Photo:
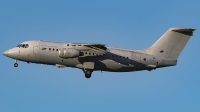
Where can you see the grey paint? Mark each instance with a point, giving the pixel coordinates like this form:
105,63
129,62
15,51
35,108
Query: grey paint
97,57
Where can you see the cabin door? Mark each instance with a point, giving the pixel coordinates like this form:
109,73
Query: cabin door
36,47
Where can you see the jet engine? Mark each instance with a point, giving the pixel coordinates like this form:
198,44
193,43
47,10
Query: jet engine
69,53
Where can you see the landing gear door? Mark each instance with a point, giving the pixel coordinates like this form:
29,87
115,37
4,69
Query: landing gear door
36,47
88,65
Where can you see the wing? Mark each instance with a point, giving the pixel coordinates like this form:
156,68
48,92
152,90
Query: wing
97,49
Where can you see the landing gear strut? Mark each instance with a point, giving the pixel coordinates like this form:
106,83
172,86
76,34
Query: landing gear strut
16,64
88,73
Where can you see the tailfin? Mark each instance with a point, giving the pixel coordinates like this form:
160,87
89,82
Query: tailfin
171,43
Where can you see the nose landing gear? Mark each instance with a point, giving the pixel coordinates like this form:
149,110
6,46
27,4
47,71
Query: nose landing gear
15,64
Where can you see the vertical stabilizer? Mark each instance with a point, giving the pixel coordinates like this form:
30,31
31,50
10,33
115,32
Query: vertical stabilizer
171,43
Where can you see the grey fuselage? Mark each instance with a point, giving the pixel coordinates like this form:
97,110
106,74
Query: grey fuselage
114,60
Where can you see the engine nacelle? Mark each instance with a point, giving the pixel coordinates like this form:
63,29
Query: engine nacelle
69,53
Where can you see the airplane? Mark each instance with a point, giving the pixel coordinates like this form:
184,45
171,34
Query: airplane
97,57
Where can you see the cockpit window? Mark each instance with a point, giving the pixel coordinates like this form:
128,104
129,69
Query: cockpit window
26,46
23,46
19,45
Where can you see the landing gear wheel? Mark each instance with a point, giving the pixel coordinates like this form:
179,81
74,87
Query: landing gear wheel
87,76
88,73
15,65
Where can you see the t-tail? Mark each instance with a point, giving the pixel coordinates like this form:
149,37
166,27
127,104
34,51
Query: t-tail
171,43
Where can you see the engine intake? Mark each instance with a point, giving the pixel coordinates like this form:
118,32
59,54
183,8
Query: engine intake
69,53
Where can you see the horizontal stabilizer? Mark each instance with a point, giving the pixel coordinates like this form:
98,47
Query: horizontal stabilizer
186,31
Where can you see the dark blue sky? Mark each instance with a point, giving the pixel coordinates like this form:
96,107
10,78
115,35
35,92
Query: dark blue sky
129,24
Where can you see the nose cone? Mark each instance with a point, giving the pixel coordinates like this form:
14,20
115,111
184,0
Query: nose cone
6,53
12,53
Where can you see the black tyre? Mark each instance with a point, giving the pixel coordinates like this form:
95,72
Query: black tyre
88,76
15,65
88,73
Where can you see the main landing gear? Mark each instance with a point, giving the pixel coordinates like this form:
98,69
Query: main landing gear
88,73
15,64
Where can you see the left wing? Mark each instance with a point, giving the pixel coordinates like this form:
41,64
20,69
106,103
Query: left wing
98,49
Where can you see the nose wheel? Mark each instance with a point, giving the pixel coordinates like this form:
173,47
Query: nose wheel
16,64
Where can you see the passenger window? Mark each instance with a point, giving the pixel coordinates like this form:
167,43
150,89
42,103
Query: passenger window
53,49
56,49
49,48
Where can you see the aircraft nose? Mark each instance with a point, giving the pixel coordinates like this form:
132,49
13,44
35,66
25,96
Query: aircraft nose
6,53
